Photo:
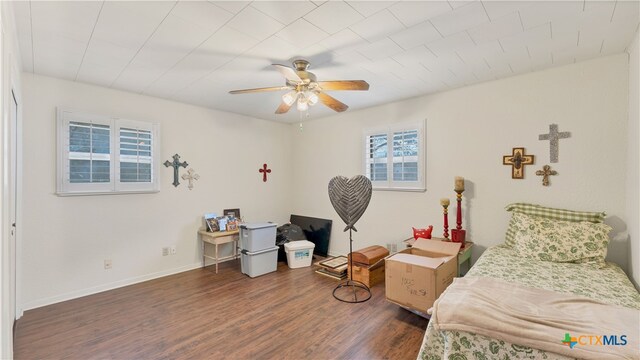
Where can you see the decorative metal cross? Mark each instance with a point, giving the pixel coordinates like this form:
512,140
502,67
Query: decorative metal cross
176,165
553,137
191,176
545,172
517,160
264,172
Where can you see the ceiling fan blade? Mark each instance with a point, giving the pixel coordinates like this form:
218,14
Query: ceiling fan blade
265,89
288,73
344,85
283,108
332,102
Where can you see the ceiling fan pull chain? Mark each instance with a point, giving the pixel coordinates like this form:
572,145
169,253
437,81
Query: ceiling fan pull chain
300,115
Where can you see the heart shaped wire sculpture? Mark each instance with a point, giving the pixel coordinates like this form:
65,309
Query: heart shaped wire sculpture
350,198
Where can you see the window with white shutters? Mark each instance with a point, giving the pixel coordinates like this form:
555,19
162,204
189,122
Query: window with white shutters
101,155
394,157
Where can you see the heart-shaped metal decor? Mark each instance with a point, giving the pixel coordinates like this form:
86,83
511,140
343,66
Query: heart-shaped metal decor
350,198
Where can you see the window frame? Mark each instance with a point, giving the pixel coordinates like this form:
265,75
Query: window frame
64,187
389,131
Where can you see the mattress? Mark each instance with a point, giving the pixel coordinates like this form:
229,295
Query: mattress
609,285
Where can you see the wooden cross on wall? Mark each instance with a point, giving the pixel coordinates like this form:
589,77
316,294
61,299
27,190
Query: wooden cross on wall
553,136
517,160
176,165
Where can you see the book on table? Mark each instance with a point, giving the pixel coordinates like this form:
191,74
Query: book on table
212,222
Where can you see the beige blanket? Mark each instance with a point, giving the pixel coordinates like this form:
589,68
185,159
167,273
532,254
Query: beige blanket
538,318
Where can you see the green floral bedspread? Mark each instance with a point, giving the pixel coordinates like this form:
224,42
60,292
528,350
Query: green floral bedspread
609,285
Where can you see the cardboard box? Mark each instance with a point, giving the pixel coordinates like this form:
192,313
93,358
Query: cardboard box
416,276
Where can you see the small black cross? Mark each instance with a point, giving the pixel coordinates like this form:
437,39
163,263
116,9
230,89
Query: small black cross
176,165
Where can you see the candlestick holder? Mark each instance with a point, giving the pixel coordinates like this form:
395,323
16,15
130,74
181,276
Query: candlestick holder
459,210
445,213
457,234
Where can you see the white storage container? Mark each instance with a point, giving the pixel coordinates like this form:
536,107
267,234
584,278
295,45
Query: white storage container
299,253
259,262
257,236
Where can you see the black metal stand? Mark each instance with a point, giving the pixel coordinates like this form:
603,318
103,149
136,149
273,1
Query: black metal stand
351,291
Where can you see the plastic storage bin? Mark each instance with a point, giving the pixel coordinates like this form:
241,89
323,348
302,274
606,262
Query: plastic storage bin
259,262
257,236
299,253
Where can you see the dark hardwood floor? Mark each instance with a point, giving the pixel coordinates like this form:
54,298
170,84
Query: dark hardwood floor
289,314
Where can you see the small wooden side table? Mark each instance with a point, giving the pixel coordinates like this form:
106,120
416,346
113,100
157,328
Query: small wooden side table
219,238
464,255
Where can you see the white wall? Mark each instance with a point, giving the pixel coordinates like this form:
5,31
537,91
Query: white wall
468,130
66,239
633,162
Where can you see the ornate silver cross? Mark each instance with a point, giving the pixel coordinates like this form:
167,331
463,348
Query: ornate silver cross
176,165
553,137
191,176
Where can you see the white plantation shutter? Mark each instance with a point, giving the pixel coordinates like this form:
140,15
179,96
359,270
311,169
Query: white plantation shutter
405,155
85,160
135,155
394,157
136,165
89,153
99,154
376,159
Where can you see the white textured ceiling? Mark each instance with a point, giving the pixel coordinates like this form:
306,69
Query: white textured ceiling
196,51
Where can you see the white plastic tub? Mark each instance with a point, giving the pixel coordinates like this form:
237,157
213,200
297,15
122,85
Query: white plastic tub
259,262
257,236
299,253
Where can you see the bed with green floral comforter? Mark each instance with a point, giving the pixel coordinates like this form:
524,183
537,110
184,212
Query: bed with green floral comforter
608,284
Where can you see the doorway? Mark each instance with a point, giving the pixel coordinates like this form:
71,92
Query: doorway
13,201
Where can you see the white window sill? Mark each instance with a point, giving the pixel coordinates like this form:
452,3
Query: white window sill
89,193
399,189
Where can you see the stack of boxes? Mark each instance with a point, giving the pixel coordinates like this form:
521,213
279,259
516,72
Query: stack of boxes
258,250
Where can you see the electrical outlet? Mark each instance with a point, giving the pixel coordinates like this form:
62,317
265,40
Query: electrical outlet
165,251
107,264
173,250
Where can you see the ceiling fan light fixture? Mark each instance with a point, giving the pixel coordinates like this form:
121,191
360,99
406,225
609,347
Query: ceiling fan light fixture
302,104
312,98
290,97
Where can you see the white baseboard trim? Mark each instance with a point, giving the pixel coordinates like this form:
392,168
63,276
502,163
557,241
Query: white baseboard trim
109,286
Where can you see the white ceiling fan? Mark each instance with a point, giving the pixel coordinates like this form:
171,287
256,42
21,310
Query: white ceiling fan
305,90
